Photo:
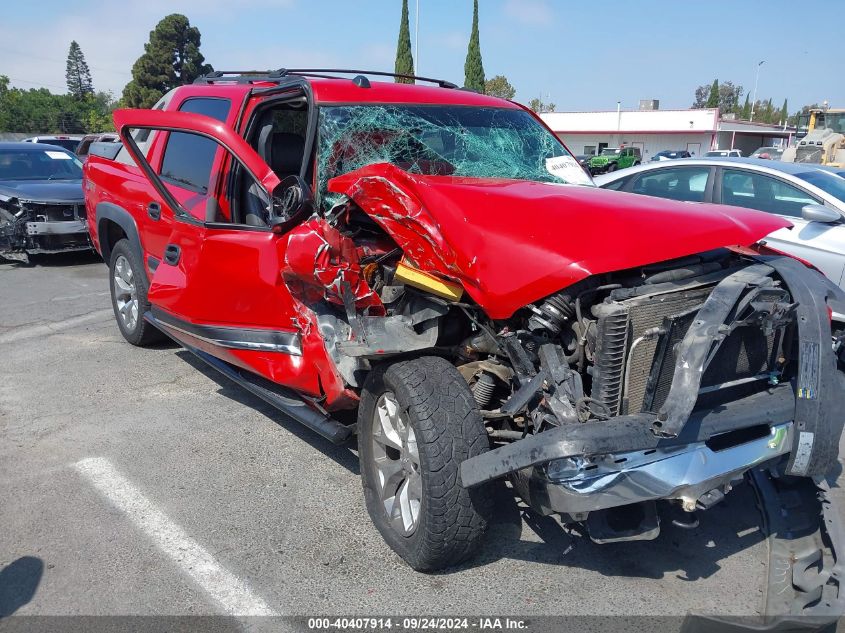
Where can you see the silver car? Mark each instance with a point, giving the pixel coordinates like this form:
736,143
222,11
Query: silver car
813,199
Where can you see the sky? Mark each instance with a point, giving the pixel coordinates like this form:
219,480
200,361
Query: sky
579,55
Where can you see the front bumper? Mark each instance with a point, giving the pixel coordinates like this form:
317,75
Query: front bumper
70,227
674,454
683,473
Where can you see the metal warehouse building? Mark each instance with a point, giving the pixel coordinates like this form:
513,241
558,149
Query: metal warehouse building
696,131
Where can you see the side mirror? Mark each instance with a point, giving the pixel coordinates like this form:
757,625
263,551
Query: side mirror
819,213
292,201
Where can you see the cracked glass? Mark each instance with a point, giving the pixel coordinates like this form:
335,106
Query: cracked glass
439,140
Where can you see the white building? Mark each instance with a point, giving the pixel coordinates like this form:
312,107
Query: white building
696,131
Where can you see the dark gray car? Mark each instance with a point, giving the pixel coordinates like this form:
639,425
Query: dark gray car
42,208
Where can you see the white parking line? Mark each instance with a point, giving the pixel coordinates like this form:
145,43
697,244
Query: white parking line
231,592
47,329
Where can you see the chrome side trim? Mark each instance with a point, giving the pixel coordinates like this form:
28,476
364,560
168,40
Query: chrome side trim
231,337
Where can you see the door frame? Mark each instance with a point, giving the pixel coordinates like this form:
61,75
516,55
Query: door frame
127,120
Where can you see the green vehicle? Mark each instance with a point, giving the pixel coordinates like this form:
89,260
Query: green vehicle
612,159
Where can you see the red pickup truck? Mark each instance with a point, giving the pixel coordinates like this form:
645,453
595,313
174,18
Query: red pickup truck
438,262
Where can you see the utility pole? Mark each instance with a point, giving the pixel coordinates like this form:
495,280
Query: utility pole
754,98
417,41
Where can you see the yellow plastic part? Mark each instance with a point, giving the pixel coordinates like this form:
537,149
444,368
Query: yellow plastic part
419,279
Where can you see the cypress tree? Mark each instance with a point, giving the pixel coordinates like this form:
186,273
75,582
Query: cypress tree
474,68
784,113
171,58
404,59
713,99
77,74
745,113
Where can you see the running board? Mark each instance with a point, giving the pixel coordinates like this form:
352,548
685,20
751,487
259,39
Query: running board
279,397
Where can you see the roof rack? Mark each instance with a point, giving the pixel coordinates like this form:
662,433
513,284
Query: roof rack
279,75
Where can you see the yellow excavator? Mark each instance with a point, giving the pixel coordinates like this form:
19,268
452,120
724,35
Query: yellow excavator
820,138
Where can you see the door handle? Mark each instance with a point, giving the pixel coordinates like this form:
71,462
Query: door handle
172,253
154,211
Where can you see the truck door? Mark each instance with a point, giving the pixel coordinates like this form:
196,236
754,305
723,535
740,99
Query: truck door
218,287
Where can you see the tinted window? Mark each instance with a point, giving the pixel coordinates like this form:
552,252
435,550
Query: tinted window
215,108
187,161
827,182
676,183
46,164
188,157
764,193
616,185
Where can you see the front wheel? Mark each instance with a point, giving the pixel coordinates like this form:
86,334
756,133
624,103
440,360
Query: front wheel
611,167
129,296
416,423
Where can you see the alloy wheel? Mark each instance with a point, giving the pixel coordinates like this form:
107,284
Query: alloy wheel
125,293
397,462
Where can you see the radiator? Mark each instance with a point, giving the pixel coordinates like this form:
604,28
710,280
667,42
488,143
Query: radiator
746,352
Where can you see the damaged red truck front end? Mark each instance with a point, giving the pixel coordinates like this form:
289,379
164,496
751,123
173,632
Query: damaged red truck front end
438,262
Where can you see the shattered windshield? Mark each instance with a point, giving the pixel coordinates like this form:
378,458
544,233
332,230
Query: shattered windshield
442,141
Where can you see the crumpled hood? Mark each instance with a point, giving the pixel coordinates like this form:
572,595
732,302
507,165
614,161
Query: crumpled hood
42,190
512,242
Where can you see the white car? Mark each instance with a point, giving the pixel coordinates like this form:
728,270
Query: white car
813,199
65,141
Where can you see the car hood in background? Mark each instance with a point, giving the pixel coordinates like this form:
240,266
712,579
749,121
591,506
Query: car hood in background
512,242
42,190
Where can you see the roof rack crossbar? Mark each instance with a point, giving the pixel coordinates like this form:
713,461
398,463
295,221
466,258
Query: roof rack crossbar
251,76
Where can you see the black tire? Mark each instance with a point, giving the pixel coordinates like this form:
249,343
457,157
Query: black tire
143,333
611,167
636,163
435,402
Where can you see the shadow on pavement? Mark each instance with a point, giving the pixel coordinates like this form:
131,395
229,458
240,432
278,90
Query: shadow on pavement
345,454
18,582
56,260
728,528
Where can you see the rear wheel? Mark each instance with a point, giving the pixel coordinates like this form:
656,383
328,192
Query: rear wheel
129,296
417,422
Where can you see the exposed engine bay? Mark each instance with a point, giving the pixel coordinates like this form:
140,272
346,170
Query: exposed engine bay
613,367
36,227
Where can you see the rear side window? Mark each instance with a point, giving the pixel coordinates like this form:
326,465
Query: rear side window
764,193
616,185
676,183
188,158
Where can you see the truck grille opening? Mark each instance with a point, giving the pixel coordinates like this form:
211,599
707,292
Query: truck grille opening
747,352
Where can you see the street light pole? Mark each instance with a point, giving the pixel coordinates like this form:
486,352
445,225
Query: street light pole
417,40
754,98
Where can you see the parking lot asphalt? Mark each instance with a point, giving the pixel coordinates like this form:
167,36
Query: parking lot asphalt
196,482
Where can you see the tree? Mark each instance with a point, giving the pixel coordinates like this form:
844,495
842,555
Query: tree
729,97
474,67
38,111
171,58
784,113
499,86
404,59
701,94
77,74
745,113
539,107
713,96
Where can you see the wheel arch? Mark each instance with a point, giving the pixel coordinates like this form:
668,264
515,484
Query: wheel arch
113,224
